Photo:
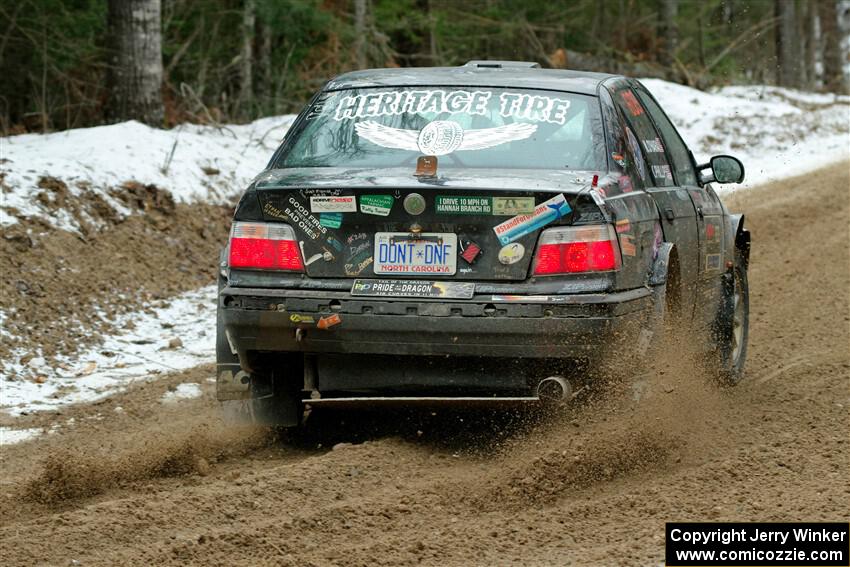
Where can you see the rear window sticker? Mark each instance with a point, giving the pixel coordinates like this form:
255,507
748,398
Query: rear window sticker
631,102
662,172
619,159
426,166
442,137
333,204
299,318
534,107
520,225
388,103
653,146
636,153
623,225
523,106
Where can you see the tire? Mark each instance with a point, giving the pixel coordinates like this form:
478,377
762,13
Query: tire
266,402
276,410
731,333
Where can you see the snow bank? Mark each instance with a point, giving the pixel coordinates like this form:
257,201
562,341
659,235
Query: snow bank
775,132
194,163
148,347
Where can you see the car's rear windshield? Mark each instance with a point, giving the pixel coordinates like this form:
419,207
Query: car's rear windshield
463,127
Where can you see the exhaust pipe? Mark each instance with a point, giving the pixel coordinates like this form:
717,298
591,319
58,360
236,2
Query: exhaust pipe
554,390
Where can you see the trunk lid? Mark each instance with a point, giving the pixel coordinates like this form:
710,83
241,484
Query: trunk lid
387,224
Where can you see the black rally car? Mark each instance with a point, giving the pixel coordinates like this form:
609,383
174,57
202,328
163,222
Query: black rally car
476,233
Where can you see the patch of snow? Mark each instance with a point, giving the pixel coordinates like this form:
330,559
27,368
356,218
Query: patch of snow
10,436
137,354
776,133
185,391
781,94
104,157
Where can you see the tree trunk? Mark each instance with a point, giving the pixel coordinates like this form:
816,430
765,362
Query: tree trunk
432,36
810,38
669,32
832,72
787,51
700,41
264,60
623,27
360,33
246,64
134,77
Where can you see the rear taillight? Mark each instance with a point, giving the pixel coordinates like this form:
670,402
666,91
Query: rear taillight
263,246
574,249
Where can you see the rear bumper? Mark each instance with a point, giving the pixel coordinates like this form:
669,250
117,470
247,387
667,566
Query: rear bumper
552,326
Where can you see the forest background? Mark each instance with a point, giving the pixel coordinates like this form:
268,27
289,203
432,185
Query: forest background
74,63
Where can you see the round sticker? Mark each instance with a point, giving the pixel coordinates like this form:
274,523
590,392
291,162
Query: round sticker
440,137
414,204
511,253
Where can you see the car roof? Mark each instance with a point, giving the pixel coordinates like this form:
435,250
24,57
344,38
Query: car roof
516,74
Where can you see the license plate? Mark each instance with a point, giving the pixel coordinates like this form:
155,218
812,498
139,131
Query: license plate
422,254
413,288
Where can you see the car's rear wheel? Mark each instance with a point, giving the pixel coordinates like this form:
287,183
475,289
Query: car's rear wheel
731,333
266,399
267,406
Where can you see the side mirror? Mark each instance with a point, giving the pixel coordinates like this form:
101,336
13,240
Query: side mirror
724,169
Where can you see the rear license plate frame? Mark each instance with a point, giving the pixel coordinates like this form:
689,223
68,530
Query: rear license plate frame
421,289
382,265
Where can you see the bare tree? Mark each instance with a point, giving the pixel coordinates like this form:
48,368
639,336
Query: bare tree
832,72
246,62
809,43
264,61
669,32
134,78
787,44
360,32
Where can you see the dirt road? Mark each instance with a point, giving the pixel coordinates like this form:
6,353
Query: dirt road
167,484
